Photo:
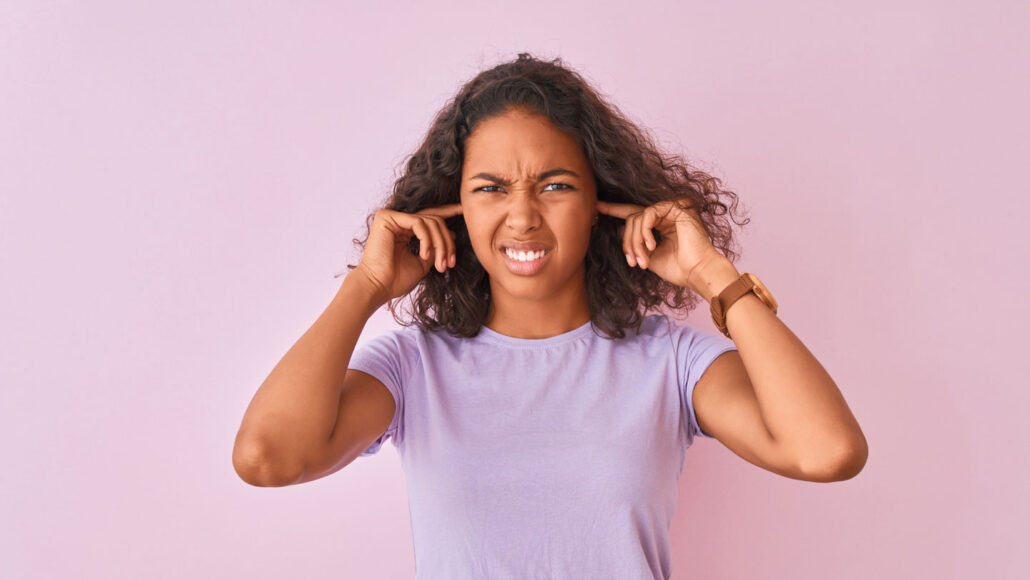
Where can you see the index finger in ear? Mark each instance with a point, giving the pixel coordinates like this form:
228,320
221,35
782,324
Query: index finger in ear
619,210
444,211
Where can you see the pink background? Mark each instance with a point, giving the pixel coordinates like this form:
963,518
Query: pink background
179,184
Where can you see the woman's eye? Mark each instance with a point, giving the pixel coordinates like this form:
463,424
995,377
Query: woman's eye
563,186
485,188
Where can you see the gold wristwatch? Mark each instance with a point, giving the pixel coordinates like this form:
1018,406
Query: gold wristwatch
747,282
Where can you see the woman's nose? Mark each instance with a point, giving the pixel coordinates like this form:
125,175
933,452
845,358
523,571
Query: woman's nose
523,213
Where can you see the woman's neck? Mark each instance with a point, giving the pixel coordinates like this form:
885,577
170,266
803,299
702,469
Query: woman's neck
521,318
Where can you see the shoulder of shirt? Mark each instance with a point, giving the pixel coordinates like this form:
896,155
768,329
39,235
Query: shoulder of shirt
417,335
658,325
662,325
399,334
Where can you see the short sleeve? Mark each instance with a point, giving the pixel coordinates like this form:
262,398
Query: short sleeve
695,351
386,357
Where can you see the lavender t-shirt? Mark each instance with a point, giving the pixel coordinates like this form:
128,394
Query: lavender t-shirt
552,458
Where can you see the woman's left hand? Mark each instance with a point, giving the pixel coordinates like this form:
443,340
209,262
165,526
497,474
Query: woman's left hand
685,250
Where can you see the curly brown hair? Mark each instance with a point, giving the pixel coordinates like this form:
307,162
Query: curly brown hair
628,168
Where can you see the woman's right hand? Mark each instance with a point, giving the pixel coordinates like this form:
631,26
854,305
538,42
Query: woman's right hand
386,261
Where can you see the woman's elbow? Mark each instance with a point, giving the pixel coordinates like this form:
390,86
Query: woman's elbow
844,465
254,466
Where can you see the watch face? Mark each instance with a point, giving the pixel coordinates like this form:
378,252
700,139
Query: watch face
762,292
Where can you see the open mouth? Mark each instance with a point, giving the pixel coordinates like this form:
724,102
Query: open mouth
523,263
521,256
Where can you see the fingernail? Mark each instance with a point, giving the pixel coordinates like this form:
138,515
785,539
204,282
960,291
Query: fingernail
453,260
642,261
629,259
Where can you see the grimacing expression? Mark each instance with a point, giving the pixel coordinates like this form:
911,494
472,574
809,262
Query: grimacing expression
525,180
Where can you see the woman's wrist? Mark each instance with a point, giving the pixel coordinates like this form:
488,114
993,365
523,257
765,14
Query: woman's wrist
358,289
715,277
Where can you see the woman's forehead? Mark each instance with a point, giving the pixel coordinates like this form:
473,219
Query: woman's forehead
522,151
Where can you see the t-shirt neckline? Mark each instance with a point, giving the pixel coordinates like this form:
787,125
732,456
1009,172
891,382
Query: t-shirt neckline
574,334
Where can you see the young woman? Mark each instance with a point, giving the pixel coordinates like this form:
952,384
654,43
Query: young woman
540,412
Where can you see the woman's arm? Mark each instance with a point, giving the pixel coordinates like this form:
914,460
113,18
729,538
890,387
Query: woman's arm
806,418
288,423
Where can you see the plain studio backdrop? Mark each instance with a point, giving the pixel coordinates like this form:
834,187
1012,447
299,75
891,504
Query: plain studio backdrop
180,182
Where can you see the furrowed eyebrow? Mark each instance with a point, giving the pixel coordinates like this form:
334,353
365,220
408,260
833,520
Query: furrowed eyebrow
541,177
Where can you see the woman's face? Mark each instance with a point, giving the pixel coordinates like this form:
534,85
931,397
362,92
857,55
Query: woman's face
526,185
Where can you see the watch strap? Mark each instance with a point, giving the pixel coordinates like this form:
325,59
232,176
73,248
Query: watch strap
735,291
722,302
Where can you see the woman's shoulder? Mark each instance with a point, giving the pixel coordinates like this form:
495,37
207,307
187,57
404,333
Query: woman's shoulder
663,326
657,325
399,337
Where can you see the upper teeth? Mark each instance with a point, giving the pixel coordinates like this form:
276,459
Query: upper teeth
524,256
